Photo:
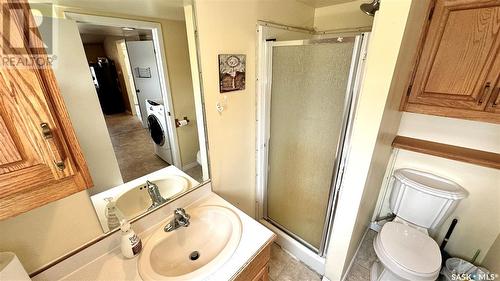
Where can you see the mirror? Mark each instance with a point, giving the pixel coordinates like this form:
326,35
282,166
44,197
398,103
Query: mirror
128,89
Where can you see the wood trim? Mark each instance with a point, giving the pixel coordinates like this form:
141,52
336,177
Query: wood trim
458,153
482,116
255,265
22,202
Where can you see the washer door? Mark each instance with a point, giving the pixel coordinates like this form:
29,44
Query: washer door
155,130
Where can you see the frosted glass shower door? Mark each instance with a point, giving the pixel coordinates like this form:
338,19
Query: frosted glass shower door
308,94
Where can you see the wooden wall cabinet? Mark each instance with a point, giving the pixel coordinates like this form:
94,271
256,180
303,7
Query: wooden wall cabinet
40,159
458,66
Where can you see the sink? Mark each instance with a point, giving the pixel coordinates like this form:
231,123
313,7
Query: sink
136,201
193,252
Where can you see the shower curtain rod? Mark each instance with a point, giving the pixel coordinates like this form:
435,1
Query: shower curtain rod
286,27
314,31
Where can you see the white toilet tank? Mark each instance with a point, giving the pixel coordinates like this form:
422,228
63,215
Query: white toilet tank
422,198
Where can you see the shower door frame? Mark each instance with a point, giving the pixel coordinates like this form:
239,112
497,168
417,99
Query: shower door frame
264,86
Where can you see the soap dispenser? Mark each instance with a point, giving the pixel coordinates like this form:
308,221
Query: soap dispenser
131,244
111,213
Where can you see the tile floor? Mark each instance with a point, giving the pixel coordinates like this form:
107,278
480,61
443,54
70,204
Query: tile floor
284,267
133,147
360,269
196,173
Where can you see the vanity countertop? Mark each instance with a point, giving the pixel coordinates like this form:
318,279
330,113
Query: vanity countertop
111,265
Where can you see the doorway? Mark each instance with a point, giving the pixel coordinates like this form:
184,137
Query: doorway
305,103
123,67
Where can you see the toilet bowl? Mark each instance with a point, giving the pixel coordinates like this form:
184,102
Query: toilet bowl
421,202
406,253
198,157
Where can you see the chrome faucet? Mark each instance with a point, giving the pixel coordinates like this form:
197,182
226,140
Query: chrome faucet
180,219
155,195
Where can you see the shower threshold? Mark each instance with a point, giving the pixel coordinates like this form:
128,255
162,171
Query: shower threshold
296,246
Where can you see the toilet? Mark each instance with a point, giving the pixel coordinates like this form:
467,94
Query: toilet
421,202
198,158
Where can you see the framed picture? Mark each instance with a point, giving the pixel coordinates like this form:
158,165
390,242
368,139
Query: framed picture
232,73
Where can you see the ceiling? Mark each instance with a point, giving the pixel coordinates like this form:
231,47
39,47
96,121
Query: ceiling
92,33
324,3
164,9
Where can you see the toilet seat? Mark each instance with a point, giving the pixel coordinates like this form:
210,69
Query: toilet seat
408,252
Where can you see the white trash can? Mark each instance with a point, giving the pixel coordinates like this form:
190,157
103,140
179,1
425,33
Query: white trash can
459,269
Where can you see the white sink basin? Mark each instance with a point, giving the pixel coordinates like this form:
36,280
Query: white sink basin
136,201
214,232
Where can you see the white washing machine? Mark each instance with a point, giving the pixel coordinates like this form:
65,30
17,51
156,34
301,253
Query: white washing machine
158,131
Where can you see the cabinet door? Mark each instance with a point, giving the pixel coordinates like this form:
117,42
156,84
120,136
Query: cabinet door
457,66
263,275
40,159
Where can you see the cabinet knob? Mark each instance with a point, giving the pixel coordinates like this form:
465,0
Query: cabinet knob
496,99
48,135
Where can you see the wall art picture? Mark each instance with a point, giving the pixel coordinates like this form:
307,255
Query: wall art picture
232,73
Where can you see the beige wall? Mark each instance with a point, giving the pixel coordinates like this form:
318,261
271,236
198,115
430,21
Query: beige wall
342,16
46,233
478,216
492,259
227,27
74,79
126,71
375,125
179,71
113,53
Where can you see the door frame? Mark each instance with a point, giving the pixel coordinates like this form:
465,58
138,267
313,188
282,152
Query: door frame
264,83
161,63
131,94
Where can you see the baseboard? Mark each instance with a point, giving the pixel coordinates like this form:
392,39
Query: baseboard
354,257
189,166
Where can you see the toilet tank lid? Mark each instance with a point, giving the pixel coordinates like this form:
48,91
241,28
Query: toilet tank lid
431,184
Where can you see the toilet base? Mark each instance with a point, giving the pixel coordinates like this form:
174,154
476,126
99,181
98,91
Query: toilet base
379,273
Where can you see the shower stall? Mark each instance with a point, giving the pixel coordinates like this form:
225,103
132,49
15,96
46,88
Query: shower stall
307,97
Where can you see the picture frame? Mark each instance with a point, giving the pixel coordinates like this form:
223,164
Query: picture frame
232,72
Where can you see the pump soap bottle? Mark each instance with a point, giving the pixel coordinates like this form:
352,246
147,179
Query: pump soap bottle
131,244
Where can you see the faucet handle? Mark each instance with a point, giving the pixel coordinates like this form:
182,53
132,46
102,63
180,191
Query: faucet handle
181,212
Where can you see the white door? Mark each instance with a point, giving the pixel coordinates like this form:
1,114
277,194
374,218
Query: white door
145,71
